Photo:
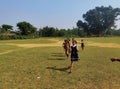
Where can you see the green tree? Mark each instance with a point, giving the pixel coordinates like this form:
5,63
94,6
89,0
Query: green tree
26,28
62,32
99,20
47,31
84,27
116,32
7,27
78,32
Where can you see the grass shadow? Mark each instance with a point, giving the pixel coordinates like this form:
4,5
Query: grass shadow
57,56
64,69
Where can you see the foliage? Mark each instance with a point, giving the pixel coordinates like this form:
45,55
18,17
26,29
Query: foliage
7,36
54,32
99,20
116,32
2,30
47,31
7,27
26,28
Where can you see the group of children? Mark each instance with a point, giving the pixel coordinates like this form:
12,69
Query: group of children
73,50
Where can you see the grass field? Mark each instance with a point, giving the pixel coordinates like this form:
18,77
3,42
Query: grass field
42,64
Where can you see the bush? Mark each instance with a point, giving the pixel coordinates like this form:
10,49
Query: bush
7,36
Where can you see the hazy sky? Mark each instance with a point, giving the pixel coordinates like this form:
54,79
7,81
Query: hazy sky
54,13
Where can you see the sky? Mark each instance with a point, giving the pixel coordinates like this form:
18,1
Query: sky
62,14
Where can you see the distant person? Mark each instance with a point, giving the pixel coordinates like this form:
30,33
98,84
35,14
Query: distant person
82,44
66,46
74,54
73,39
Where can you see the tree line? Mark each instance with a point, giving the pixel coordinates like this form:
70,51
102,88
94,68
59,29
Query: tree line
99,21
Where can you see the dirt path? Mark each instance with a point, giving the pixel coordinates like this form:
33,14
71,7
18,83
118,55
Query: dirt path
7,51
59,43
35,45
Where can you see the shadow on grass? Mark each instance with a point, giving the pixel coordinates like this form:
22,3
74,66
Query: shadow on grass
59,69
57,56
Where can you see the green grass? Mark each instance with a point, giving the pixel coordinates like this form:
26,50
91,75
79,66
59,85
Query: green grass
6,47
46,67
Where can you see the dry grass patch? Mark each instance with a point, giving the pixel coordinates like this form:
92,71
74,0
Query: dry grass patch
110,45
7,51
